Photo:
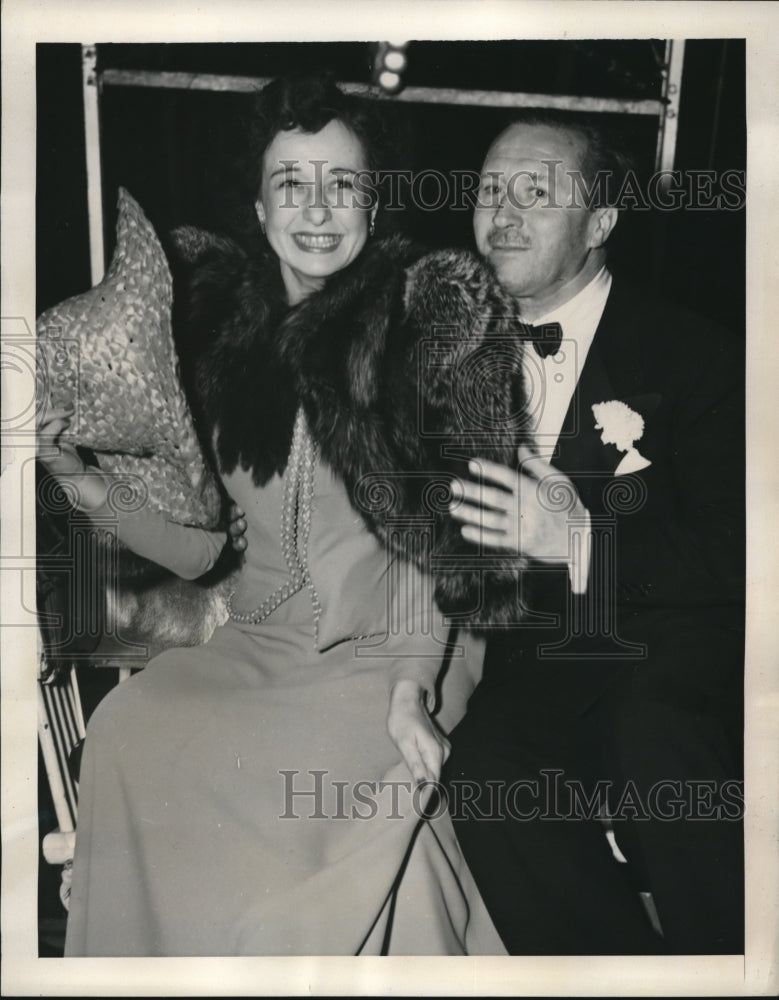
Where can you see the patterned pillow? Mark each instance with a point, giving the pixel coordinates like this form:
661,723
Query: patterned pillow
110,352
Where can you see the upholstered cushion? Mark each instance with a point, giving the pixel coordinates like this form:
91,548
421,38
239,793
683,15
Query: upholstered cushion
110,352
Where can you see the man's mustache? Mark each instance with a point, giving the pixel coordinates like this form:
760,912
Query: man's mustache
508,239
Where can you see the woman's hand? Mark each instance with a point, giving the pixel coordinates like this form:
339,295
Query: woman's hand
423,747
58,456
236,528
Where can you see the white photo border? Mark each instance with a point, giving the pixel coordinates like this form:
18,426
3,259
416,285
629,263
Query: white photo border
24,974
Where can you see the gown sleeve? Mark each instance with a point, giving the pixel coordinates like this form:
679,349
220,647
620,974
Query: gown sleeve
369,597
393,620
187,551
415,621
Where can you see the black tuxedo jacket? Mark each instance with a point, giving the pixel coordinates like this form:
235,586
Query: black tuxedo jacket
668,554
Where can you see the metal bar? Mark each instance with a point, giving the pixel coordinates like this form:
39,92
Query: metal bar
718,103
54,773
78,711
52,696
672,92
411,95
91,92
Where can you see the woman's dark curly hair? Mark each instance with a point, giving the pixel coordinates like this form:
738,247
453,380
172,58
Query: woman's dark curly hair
309,103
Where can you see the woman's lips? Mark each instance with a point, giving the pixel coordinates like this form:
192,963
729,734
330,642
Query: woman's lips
317,242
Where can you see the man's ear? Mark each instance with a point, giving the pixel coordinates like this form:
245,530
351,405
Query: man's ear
603,222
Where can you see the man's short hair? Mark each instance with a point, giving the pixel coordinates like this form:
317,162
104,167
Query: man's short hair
606,157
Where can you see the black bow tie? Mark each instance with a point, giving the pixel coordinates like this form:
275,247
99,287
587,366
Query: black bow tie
546,338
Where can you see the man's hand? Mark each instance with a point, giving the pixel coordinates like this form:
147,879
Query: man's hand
423,746
526,512
236,528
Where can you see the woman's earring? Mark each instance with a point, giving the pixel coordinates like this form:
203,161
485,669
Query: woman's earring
260,212
372,227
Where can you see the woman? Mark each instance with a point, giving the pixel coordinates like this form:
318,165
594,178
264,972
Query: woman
254,795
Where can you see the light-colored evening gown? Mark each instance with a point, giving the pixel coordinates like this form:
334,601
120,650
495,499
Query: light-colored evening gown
197,832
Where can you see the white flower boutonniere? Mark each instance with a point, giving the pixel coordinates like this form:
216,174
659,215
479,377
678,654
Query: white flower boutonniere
621,426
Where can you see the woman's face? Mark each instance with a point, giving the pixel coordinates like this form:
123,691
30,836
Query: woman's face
314,219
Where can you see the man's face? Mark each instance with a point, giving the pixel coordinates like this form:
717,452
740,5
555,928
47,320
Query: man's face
525,223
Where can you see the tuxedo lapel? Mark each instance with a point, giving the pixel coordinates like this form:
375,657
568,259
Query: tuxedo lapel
580,448
612,370
620,339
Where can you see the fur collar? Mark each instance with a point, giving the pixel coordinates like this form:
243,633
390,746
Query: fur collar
406,364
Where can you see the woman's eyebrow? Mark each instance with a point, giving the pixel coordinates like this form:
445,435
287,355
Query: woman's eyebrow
288,167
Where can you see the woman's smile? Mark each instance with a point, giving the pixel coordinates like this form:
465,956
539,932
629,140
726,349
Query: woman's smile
317,242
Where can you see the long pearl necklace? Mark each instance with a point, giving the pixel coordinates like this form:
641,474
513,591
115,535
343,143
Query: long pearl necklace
295,529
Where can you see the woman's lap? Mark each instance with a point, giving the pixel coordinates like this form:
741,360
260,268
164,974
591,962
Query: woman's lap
229,789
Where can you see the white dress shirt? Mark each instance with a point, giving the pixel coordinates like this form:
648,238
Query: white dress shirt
551,382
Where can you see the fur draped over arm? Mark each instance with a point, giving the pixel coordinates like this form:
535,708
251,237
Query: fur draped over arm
407,364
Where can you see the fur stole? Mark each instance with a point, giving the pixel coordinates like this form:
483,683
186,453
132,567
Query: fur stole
406,364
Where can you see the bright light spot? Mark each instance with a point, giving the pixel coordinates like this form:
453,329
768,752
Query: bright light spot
614,849
395,61
388,80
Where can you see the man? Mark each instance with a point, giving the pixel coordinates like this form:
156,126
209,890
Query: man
621,688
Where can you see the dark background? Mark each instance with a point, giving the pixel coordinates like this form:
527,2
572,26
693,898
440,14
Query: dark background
179,152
